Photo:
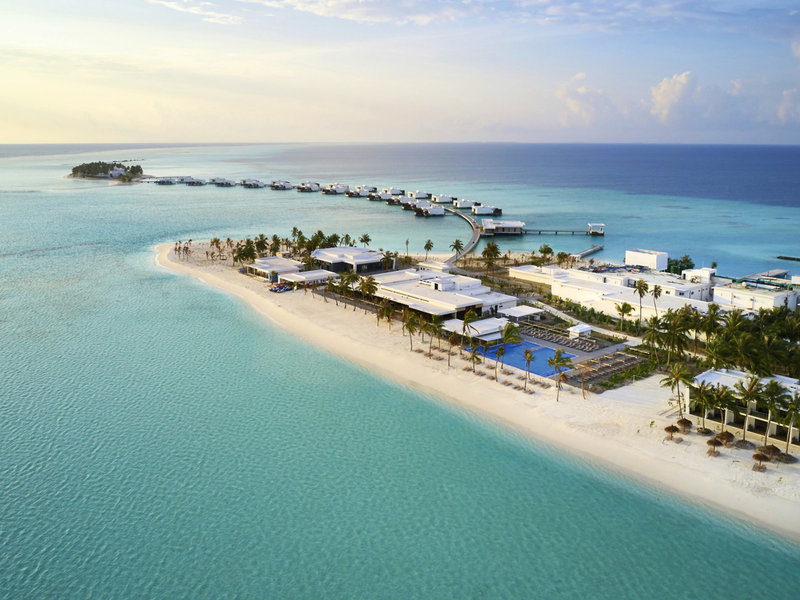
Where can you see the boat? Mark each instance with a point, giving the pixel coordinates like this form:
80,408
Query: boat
281,184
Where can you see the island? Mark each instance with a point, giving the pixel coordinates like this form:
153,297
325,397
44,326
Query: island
107,170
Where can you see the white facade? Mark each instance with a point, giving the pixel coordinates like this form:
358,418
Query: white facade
496,227
754,298
440,294
651,259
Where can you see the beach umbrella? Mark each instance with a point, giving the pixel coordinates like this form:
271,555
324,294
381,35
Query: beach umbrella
772,450
684,424
713,444
759,458
726,437
671,430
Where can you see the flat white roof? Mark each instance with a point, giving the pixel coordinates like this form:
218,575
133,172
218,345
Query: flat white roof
434,265
347,254
308,276
520,311
497,223
642,251
729,378
580,328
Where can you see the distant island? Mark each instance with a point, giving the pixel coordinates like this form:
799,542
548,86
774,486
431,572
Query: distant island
104,170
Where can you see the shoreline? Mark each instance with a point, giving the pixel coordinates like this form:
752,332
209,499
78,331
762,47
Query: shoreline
611,431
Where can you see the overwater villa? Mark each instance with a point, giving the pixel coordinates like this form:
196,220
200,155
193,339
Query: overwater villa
491,227
486,209
335,189
252,183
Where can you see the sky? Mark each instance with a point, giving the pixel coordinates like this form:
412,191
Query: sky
676,71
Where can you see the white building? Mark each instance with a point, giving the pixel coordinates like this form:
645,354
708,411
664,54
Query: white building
604,290
347,258
272,267
752,298
651,259
758,415
497,227
441,294
485,330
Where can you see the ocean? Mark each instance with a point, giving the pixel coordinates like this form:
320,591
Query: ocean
160,440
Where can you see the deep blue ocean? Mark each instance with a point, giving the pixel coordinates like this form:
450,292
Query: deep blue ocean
159,440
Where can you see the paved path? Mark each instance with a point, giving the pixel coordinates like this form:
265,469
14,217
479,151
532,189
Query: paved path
476,235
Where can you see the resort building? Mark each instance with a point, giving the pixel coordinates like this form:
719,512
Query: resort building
521,313
486,330
273,267
495,227
651,259
605,289
441,294
749,297
346,258
759,415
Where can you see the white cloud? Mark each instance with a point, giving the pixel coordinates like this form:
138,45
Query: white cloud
581,104
789,107
201,9
796,48
669,95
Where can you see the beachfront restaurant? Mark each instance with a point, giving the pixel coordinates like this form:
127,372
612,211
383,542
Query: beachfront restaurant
272,267
440,294
486,330
314,277
342,259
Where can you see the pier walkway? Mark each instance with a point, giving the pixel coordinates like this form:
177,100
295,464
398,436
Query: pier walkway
476,235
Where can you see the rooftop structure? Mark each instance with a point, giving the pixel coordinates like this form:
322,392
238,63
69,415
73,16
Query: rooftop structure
651,259
521,313
434,265
441,294
273,266
315,276
348,258
486,330
497,227
754,297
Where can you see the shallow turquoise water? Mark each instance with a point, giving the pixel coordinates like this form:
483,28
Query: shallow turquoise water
158,440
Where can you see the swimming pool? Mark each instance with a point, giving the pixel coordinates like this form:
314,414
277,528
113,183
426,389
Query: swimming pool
515,356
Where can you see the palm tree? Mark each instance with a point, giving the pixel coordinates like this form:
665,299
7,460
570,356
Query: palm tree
676,376
457,246
750,391
641,288
559,363
623,310
653,335
452,339
792,408
775,398
428,247
431,330
546,251
656,294
349,279
491,253
330,286
469,317
385,312
473,354
528,354
406,246
702,396
367,286
365,239
501,352
436,327
509,335
411,325
724,400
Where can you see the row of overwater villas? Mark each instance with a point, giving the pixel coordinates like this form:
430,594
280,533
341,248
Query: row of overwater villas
425,202
760,417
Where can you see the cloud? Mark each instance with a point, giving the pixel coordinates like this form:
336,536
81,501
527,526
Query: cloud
796,48
201,9
730,15
789,107
582,105
670,95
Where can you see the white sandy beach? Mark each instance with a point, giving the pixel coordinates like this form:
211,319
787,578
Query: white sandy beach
611,430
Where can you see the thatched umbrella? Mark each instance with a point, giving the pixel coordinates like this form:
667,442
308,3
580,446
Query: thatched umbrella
684,424
760,458
713,444
772,450
671,430
726,437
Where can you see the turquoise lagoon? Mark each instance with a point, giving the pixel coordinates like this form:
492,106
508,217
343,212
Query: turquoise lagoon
159,440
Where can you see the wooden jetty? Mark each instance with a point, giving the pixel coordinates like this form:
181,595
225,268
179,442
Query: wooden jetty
589,251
